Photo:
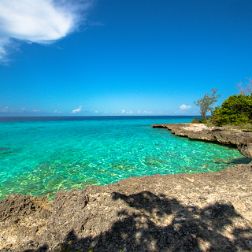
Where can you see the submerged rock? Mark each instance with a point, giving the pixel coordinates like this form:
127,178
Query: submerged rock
5,151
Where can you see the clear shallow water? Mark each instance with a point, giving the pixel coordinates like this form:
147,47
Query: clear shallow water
42,157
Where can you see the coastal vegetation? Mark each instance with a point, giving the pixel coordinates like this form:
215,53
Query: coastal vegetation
206,103
235,111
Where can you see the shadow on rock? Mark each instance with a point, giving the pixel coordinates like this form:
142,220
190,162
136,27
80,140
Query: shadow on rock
156,223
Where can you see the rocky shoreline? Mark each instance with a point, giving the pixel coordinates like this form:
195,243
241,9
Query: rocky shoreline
221,135
183,212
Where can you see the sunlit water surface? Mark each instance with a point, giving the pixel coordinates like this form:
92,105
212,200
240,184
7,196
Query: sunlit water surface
43,157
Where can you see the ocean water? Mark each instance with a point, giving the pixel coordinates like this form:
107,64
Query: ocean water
42,156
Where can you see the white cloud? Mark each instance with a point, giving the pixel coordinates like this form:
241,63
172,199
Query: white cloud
185,107
77,110
126,112
38,21
136,112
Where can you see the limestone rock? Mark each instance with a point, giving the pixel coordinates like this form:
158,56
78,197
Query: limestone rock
246,149
183,212
222,135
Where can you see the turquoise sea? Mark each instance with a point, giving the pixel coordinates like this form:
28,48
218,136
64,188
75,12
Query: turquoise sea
41,156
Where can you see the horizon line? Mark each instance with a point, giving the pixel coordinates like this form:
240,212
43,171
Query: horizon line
37,116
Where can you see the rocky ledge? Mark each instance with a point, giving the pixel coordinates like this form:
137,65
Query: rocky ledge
185,212
222,135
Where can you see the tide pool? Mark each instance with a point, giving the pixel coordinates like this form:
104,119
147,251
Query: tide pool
43,156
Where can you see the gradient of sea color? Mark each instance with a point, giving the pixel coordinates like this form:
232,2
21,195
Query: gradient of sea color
42,156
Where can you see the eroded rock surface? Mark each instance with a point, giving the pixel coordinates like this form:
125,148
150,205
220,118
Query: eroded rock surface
226,136
246,149
184,212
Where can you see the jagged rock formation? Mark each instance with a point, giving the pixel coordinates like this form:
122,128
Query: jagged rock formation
184,212
222,135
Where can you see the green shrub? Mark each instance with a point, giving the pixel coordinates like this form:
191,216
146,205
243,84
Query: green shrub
236,110
199,120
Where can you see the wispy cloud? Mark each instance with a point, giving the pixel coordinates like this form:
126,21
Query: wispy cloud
135,112
4,109
77,110
185,107
126,112
42,22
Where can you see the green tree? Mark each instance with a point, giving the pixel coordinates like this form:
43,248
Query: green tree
236,110
206,103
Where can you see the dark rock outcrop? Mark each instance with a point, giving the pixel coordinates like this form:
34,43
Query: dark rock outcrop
222,135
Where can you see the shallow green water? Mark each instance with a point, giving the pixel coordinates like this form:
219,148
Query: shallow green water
42,157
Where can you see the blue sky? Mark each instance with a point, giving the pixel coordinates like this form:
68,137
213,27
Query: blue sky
121,57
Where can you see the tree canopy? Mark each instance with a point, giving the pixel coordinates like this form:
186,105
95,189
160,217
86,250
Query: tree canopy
206,103
236,110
